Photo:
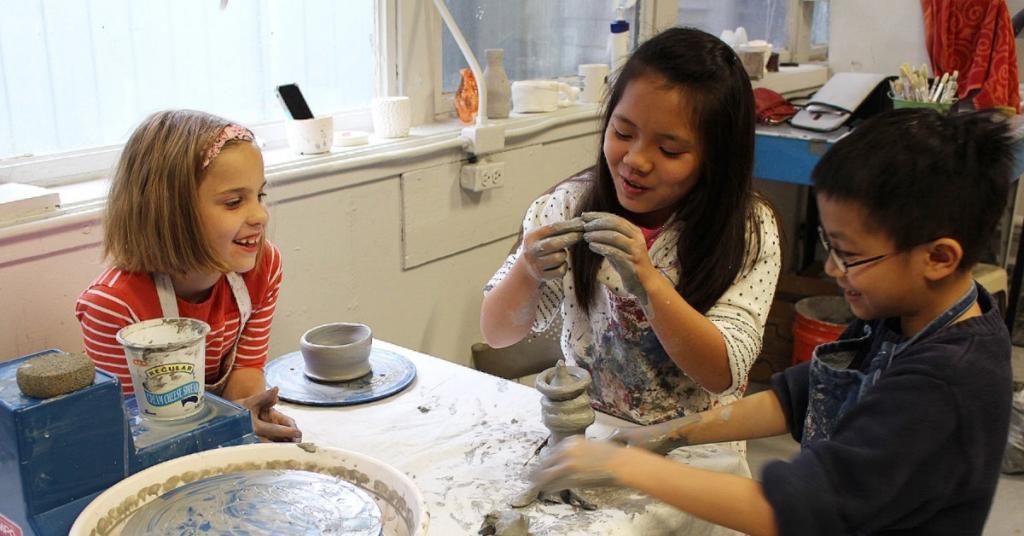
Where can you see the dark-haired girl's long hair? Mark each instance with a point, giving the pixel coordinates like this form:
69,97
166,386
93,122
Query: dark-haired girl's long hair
719,212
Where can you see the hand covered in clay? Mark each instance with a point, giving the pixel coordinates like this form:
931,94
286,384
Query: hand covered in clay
544,248
268,423
579,463
660,438
622,243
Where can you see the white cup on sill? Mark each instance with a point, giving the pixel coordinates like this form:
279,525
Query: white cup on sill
392,116
310,136
595,81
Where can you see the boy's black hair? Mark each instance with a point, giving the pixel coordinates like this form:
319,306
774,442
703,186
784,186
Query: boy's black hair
923,175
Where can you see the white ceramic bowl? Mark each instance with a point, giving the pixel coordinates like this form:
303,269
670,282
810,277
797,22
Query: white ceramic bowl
336,352
403,509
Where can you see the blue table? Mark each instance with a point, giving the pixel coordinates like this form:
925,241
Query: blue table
786,154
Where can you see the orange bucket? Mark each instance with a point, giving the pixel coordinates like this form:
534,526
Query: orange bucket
818,319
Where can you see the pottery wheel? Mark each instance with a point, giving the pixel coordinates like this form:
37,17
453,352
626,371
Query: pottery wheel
389,374
261,502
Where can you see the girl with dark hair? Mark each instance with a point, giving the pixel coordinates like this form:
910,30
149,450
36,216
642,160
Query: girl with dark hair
660,259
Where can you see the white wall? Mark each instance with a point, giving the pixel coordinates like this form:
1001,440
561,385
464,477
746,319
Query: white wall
347,240
875,36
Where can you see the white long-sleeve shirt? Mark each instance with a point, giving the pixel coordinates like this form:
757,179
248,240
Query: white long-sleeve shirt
633,376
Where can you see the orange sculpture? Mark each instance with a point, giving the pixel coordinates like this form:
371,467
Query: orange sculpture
467,97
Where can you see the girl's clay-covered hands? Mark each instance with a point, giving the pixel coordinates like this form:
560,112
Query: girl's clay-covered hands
268,423
544,248
579,463
622,243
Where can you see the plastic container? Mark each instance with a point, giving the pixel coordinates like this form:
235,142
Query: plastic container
937,106
618,41
818,319
167,361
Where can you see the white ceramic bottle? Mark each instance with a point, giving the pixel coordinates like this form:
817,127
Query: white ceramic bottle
499,89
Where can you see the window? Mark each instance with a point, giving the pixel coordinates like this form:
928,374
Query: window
541,38
83,73
799,26
762,19
819,25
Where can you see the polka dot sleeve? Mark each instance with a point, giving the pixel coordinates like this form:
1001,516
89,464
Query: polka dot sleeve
740,314
545,210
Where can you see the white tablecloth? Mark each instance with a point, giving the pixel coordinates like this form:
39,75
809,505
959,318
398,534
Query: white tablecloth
464,437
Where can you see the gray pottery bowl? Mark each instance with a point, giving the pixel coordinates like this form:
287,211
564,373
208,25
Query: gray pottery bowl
336,352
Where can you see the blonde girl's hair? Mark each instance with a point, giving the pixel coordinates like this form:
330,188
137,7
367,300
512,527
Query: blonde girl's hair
152,222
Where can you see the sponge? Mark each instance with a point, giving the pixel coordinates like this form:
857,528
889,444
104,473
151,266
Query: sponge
56,374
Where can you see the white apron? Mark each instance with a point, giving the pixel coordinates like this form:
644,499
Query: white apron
169,306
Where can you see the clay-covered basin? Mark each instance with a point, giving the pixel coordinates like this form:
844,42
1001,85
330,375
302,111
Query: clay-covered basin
337,351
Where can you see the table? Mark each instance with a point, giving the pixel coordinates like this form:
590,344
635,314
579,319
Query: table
783,153
787,154
463,436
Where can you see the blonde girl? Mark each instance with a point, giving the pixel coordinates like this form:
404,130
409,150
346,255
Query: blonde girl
185,231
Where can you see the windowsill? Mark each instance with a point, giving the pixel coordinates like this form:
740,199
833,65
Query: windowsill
793,80
88,196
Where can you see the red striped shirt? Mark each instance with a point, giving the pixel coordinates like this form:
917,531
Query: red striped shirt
118,298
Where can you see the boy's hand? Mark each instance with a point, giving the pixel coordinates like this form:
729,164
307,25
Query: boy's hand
579,463
622,243
268,423
544,249
660,438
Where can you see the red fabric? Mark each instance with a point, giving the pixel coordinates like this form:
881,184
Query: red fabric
771,107
976,38
118,298
650,235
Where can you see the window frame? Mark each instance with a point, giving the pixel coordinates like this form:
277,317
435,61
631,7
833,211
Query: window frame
800,18
653,16
408,62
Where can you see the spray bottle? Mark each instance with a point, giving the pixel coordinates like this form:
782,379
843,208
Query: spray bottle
618,41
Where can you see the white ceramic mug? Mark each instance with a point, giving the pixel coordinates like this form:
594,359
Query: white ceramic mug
762,47
310,136
595,81
392,116
541,95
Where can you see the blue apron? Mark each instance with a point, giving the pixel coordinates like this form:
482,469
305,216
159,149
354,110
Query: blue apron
834,388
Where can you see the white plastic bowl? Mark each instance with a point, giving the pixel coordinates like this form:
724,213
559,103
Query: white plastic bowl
403,509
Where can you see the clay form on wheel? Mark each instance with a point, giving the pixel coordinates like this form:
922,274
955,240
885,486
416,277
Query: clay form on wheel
337,352
390,373
565,410
565,407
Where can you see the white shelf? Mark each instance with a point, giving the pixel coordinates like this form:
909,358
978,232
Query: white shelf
19,201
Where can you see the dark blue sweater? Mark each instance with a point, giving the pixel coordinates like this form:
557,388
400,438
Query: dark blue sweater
918,454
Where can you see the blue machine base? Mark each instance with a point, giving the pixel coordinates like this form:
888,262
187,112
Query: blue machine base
58,454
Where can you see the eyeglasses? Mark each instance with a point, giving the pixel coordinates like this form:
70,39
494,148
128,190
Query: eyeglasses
839,260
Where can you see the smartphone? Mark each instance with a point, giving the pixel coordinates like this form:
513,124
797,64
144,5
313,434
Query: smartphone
291,98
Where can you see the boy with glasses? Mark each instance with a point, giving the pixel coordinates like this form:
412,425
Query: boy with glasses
903,420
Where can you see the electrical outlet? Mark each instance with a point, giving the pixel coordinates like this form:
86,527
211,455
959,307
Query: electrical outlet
482,176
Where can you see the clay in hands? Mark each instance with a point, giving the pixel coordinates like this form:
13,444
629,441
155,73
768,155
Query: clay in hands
544,249
622,243
577,463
